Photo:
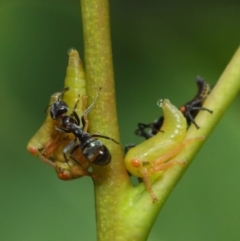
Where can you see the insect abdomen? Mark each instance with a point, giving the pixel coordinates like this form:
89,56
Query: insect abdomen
96,153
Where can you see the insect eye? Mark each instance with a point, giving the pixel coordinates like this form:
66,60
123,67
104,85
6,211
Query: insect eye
135,163
182,109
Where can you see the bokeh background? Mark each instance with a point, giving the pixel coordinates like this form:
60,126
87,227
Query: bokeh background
159,47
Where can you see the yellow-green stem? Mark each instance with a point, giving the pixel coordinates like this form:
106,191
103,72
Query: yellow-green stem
103,118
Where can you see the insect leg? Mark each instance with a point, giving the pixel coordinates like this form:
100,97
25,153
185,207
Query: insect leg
148,184
68,148
201,108
93,103
71,148
72,152
76,118
74,114
195,105
165,166
84,117
105,137
164,158
190,117
47,161
61,130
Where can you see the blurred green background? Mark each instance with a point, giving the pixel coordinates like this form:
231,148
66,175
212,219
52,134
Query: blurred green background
159,47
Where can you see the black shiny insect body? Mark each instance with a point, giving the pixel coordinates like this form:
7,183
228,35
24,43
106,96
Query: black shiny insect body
189,110
92,148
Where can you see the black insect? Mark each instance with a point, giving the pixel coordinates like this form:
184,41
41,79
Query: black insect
189,110
92,148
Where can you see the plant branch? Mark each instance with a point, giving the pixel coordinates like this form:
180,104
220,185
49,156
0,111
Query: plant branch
220,98
125,212
114,179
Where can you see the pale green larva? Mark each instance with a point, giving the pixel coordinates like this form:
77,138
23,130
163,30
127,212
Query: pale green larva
152,156
47,143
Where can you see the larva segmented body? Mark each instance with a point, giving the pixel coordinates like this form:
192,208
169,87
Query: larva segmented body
174,130
152,156
47,143
75,79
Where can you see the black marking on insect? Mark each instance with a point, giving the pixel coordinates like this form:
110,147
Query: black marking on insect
189,110
92,148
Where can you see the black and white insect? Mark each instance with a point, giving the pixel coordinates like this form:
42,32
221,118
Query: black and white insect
189,110
91,147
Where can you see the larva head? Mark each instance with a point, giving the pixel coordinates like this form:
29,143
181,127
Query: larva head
43,146
70,170
35,147
33,150
64,174
133,164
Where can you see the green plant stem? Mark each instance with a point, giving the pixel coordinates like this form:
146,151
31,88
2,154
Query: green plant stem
99,71
125,212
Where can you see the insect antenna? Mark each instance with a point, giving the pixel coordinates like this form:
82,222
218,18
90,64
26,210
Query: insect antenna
93,103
